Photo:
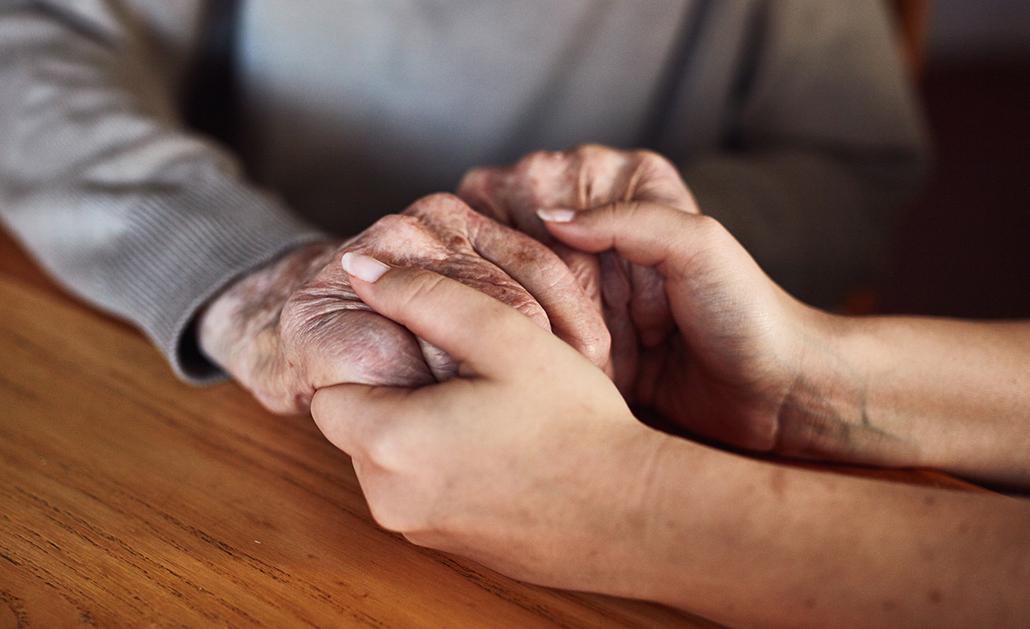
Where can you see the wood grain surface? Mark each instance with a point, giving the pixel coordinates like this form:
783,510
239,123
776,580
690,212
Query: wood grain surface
128,498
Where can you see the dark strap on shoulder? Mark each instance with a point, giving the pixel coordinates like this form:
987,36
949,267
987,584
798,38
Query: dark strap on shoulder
211,97
664,100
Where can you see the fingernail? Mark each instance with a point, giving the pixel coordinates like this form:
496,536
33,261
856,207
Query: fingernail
556,214
363,267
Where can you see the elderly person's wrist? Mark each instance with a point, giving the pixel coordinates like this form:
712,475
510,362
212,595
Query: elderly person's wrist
235,328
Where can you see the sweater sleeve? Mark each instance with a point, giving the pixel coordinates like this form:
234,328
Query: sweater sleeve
102,183
827,144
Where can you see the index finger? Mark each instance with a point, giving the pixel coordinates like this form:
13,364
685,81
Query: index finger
645,233
481,333
574,317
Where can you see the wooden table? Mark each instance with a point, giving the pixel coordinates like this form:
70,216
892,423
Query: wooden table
128,498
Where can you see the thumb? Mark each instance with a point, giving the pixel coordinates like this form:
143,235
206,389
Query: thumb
346,412
478,331
644,233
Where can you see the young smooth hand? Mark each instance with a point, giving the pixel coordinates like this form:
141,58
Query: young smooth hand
749,365
738,365
529,461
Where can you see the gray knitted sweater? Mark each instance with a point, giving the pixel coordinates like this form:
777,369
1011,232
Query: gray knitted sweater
791,119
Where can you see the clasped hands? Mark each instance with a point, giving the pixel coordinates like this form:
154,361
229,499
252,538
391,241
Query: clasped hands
430,358
296,326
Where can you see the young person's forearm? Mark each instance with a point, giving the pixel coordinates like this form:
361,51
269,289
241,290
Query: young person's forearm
908,391
750,543
960,390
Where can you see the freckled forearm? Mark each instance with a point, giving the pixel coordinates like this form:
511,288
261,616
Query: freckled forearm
751,543
827,414
857,552
954,393
919,392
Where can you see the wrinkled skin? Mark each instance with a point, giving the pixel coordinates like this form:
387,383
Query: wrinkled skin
586,177
296,326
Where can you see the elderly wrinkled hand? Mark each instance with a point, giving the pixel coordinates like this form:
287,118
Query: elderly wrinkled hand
631,297
297,325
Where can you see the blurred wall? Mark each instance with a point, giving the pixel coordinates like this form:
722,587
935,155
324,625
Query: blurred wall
978,29
963,249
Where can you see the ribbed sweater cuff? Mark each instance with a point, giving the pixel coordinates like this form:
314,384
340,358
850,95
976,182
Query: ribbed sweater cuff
206,237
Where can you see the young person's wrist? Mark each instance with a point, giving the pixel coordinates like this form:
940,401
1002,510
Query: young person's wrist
713,538
828,413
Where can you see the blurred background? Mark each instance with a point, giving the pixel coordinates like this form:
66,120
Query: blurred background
963,248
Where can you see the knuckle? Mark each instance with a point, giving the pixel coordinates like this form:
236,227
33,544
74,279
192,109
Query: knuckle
326,414
385,448
591,149
598,349
474,180
626,210
651,158
443,198
437,203
658,167
707,227
398,503
533,160
389,515
705,232
659,171
476,172
320,406
534,156
280,403
325,406
393,222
